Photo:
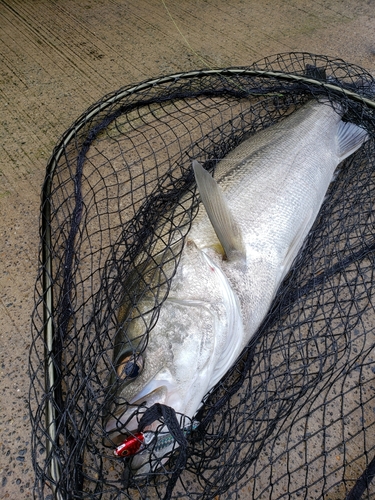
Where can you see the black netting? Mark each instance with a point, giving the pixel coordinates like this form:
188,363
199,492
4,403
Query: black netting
295,416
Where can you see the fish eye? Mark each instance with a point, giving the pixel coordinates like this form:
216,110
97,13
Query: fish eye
130,366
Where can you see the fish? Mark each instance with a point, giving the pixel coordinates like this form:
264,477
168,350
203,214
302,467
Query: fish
254,215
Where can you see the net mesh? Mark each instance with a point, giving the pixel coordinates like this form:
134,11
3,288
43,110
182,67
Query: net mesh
295,416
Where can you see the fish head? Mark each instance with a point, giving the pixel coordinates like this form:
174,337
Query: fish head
173,370
195,339
148,379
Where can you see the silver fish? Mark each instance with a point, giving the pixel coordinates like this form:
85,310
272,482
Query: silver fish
254,217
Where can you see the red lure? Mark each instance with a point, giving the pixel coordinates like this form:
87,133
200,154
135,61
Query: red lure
130,446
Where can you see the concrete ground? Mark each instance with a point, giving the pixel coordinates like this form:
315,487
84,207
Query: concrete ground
59,57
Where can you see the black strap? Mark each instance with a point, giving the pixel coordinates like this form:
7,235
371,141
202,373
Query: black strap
363,482
168,415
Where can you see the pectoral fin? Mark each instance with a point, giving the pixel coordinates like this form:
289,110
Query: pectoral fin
219,213
350,138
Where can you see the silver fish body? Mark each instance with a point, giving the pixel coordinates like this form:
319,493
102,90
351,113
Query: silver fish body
255,215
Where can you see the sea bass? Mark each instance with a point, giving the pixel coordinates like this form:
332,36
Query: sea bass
254,216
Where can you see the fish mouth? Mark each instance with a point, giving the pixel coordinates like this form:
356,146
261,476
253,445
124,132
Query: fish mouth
126,420
123,425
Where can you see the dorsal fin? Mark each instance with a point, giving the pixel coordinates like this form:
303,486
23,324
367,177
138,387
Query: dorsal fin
218,212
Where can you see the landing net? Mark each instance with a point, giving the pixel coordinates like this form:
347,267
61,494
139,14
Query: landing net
295,417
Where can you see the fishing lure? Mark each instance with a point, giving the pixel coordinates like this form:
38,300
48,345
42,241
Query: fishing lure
139,441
